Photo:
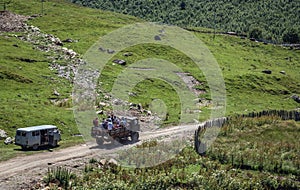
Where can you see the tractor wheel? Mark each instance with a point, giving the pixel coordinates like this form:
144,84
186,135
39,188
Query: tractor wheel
99,141
134,137
117,141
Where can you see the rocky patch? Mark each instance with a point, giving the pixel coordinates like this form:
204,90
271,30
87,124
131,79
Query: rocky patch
3,134
10,22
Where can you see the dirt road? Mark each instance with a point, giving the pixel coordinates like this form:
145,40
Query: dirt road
23,172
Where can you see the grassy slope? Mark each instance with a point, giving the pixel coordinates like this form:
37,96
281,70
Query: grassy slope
248,89
241,61
27,87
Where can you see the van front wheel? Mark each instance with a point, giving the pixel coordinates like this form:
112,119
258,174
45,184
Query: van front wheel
35,147
54,144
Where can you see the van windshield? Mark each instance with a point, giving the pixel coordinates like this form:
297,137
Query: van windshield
21,133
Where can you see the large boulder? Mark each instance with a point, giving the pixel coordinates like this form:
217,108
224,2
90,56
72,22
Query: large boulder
9,140
3,134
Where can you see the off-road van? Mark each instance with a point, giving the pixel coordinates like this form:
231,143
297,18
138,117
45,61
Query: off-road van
36,136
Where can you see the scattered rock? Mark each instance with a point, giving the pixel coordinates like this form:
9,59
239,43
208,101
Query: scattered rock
113,162
54,39
111,51
76,166
102,162
27,60
3,134
68,40
100,112
56,93
127,54
267,71
106,97
149,113
102,104
102,49
119,61
282,72
157,38
34,16
117,102
9,140
132,94
10,22
296,98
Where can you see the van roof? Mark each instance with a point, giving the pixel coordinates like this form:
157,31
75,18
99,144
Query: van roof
35,128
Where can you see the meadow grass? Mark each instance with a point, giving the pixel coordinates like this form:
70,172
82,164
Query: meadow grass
26,88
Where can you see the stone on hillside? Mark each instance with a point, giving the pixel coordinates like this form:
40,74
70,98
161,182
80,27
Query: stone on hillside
282,72
9,140
71,53
157,38
127,54
110,51
3,134
56,93
132,94
102,162
117,102
106,97
100,112
149,113
113,162
68,40
102,104
296,98
119,61
267,71
102,49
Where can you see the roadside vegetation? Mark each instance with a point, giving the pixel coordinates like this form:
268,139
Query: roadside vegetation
253,153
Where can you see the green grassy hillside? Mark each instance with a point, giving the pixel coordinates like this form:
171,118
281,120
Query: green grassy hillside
27,88
249,153
28,85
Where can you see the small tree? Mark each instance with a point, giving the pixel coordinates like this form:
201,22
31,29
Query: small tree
256,33
291,36
182,5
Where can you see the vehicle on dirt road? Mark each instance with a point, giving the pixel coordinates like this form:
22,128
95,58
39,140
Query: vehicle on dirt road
119,134
37,136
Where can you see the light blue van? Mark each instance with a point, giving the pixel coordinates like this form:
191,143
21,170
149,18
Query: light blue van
36,136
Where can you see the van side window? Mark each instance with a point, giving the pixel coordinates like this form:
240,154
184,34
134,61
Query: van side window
18,133
35,133
23,134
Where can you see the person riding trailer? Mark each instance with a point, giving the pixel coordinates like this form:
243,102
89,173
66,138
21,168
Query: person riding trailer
119,130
